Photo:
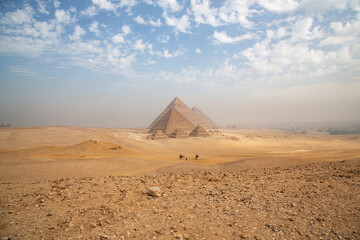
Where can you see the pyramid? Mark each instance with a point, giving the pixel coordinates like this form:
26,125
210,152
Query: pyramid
158,134
170,121
199,132
210,123
183,110
179,133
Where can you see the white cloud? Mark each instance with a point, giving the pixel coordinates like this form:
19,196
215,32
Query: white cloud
118,38
139,20
127,3
19,16
276,34
319,5
171,5
180,24
163,38
342,33
62,16
236,12
56,4
279,5
156,23
90,11
45,30
126,29
78,33
167,54
231,12
94,27
41,7
151,22
222,37
140,45
104,4
288,60
197,50
204,14
302,30
20,45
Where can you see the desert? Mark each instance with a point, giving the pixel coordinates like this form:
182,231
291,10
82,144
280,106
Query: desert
93,183
179,119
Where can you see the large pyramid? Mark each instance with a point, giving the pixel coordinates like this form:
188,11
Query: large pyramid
171,121
179,116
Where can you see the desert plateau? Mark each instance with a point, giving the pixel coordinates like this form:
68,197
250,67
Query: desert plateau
107,183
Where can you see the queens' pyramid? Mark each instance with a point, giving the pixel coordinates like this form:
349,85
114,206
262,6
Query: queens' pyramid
178,116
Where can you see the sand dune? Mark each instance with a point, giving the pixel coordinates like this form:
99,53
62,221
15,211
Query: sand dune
88,149
55,152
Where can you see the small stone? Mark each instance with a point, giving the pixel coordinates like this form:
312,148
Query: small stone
93,225
244,235
186,236
108,221
154,192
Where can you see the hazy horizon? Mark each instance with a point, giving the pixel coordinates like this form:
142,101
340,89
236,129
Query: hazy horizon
106,63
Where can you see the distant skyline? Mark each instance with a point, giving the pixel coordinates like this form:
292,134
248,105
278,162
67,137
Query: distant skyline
119,63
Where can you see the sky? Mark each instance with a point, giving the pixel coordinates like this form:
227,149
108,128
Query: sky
103,63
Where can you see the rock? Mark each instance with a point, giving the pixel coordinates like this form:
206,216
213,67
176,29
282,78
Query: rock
244,235
154,192
186,236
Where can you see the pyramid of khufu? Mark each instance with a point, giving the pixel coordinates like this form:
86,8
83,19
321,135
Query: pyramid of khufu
199,132
178,116
171,121
179,133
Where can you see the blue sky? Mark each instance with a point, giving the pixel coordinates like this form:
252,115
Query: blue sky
119,63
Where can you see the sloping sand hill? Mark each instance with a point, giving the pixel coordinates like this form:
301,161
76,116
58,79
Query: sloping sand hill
88,149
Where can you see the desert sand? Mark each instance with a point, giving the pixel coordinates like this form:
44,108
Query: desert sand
92,183
59,152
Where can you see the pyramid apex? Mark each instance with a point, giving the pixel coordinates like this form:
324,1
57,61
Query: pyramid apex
177,101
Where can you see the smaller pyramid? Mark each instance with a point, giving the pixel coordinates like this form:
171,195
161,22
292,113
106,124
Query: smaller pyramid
179,133
199,132
158,134
171,121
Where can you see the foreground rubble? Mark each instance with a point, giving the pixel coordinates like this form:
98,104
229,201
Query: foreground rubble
316,201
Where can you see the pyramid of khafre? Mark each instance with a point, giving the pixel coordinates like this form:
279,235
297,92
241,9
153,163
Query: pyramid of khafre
179,116
210,123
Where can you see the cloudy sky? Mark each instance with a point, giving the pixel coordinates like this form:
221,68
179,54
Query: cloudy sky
119,63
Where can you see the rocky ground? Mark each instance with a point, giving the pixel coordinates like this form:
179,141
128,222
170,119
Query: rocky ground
316,201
